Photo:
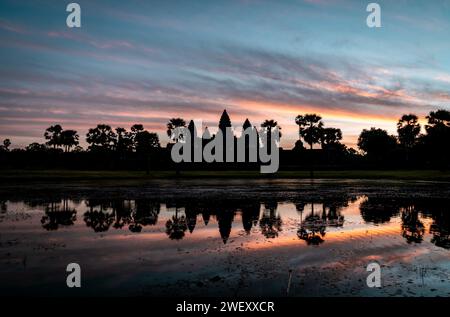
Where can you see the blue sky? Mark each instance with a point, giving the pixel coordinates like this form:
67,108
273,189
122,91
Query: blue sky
148,61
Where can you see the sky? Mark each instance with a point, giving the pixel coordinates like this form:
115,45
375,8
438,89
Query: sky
148,61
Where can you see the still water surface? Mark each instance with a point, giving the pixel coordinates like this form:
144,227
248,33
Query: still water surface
308,246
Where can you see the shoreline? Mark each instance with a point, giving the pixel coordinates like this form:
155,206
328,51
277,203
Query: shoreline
99,175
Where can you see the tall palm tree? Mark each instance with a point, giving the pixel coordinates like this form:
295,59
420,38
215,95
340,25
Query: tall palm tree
53,135
172,125
309,128
69,138
5,146
101,137
269,125
408,130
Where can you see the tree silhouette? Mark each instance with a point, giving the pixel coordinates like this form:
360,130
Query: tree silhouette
176,227
330,137
146,142
36,147
312,229
268,126
99,220
55,216
53,135
172,125
124,141
412,228
135,129
101,138
309,128
5,146
378,210
437,139
408,130
376,143
69,138
440,229
438,118
270,222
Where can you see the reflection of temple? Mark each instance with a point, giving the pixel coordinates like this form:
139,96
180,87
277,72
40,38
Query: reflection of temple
250,215
204,138
225,217
320,215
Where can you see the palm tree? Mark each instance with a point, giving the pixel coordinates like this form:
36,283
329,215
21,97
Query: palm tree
269,125
69,138
408,130
5,146
176,227
53,135
309,128
101,137
124,141
172,125
135,129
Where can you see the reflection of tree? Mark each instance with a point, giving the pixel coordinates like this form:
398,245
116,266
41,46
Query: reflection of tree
146,213
412,228
98,219
122,211
176,227
270,222
312,228
331,215
440,229
378,210
250,215
57,215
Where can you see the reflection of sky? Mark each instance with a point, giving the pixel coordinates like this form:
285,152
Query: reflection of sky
121,261
145,62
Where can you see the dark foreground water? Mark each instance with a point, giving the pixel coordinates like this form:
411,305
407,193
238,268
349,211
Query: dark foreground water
232,238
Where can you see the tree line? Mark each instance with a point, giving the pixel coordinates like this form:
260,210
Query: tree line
429,146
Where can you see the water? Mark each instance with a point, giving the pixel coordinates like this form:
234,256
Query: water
315,242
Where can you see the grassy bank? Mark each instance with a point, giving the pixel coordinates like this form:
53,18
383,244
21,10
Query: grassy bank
65,175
